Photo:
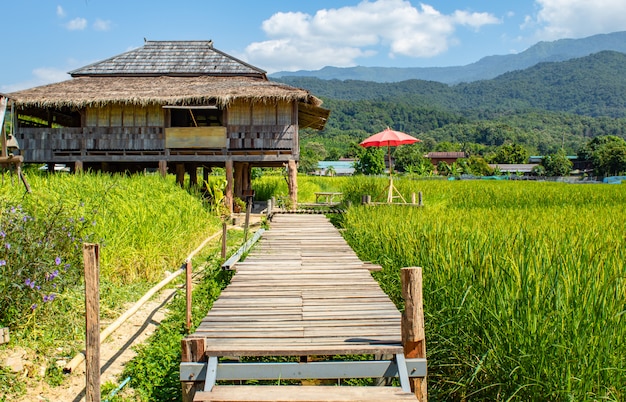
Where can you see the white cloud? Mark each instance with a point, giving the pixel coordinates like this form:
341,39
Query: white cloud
60,12
339,36
41,76
77,24
577,18
102,25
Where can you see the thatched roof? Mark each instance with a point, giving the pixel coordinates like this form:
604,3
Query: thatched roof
174,58
185,73
97,91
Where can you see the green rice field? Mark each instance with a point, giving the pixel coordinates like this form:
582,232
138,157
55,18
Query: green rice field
524,283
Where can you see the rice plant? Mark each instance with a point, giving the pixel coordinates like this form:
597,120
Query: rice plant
524,284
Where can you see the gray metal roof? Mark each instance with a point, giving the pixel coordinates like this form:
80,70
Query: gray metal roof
171,58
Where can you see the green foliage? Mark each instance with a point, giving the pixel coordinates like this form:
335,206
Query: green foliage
154,371
557,164
607,153
39,257
475,165
371,161
311,153
509,153
523,284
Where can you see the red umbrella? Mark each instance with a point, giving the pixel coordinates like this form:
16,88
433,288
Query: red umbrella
389,138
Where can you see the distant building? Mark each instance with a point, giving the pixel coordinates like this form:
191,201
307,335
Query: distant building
514,168
341,167
447,157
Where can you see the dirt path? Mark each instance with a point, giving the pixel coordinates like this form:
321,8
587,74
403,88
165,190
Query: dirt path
115,352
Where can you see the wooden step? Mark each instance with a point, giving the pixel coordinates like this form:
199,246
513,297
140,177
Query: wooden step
295,393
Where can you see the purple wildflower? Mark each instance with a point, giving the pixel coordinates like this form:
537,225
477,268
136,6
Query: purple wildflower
3,233
8,246
34,306
57,261
29,283
3,262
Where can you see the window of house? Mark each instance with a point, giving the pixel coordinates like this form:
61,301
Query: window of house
196,117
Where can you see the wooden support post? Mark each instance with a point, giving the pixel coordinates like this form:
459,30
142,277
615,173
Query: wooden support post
163,168
292,174
188,290
224,239
238,185
180,174
91,258
413,334
193,175
413,198
228,191
366,199
205,175
419,199
192,351
78,167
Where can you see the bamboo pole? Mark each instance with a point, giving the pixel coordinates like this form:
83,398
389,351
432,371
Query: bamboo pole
413,333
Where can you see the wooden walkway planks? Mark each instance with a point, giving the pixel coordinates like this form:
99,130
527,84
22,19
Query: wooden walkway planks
301,291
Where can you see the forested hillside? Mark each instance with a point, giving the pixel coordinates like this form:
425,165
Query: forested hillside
544,108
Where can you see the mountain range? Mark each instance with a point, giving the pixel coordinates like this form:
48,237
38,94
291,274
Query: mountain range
484,69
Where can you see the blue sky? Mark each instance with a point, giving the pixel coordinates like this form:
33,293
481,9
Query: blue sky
44,39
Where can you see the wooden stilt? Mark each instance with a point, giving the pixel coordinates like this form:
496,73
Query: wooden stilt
413,334
292,173
193,175
163,168
180,174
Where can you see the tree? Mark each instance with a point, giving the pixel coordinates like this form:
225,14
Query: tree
370,161
509,153
557,164
310,154
475,165
409,155
607,153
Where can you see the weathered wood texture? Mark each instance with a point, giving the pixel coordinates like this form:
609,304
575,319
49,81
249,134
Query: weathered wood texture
195,137
301,291
303,394
413,332
91,260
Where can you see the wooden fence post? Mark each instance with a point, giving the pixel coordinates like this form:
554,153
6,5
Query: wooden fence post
413,334
224,238
192,351
188,290
91,258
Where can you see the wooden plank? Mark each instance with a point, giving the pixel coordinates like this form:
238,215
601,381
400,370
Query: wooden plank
195,137
293,393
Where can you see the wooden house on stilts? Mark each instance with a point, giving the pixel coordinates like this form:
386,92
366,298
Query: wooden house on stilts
173,105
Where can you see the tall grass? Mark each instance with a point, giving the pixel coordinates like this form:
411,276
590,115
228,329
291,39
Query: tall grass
146,224
525,284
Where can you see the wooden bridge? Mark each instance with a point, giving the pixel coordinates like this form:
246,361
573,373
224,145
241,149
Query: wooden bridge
302,294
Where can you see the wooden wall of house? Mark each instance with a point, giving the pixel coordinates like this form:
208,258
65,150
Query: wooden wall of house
120,115
262,125
260,113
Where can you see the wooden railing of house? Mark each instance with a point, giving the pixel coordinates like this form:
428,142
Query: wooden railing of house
49,144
